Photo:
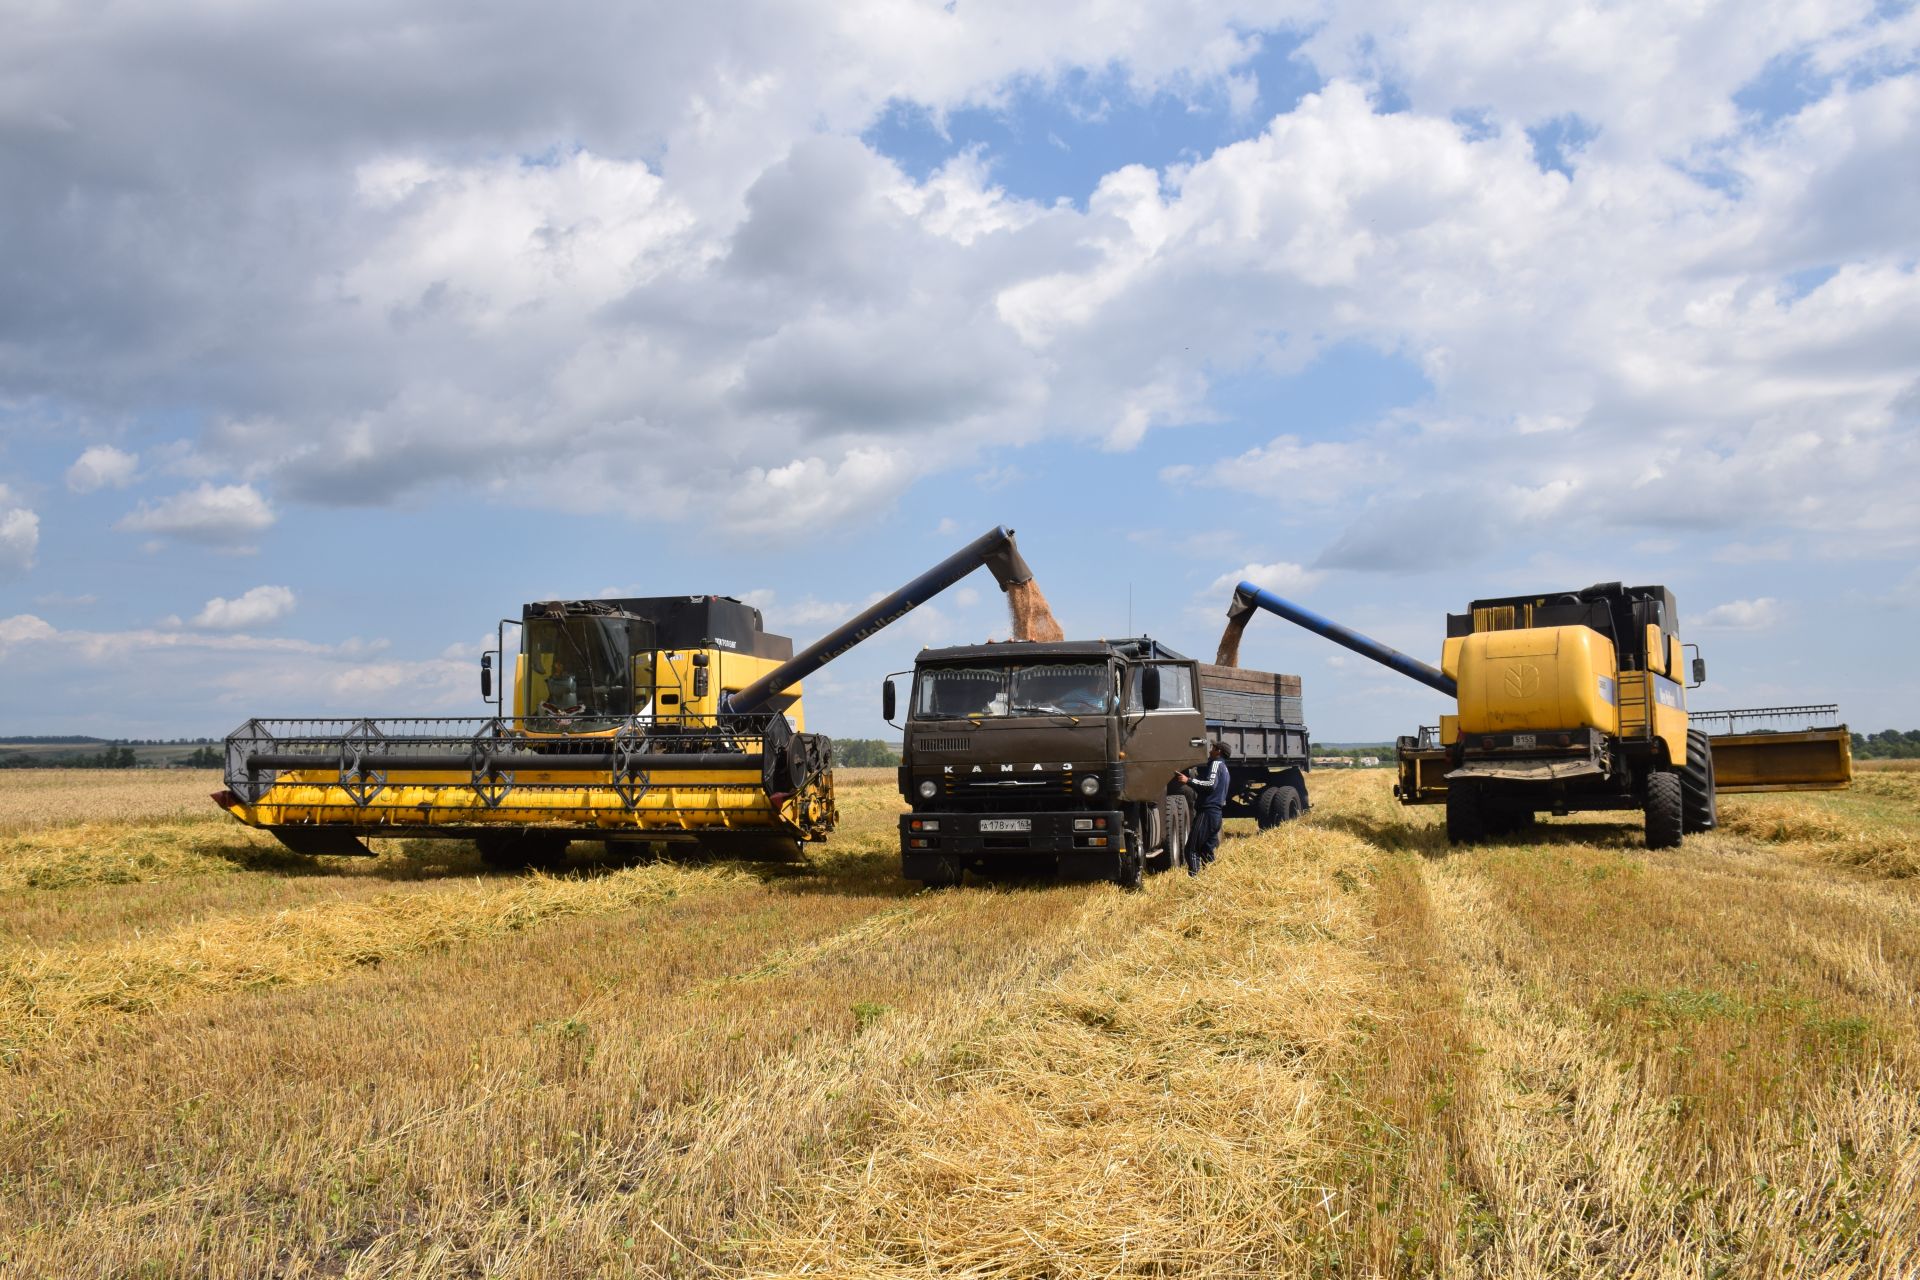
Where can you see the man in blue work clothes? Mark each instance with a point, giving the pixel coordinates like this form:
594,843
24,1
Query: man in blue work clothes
1211,782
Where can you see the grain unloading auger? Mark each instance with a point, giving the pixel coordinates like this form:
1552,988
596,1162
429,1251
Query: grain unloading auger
1577,700
664,719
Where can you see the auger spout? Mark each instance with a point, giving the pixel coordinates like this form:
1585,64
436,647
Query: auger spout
995,549
1247,597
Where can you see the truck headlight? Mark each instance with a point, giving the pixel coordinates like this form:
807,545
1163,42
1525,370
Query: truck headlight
1090,785
929,789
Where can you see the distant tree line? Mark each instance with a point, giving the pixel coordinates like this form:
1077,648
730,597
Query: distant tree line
116,757
1888,744
864,753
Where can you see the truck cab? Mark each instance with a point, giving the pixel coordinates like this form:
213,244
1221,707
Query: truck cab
1036,757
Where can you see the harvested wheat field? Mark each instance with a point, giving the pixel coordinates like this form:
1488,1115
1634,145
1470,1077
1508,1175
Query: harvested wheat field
1336,1054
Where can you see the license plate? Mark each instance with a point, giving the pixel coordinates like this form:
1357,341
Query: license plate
1006,824
1524,740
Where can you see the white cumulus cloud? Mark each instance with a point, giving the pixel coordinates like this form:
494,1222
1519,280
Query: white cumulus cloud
1279,577
254,608
19,535
218,514
1743,615
102,467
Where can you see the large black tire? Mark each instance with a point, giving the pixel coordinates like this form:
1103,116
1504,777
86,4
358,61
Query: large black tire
1176,822
1266,808
1276,805
1699,807
1664,808
1132,866
1466,815
946,874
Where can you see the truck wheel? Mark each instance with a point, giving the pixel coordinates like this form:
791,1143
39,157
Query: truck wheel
1664,807
945,875
1290,804
1466,818
1699,807
1177,823
1132,864
1266,808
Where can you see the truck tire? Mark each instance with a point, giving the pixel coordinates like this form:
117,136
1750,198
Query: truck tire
945,876
1133,860
1277,804
1699,807
1177,823
1664,807
1466,816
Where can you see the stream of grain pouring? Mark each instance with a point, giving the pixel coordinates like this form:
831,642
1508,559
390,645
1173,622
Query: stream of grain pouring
1032,617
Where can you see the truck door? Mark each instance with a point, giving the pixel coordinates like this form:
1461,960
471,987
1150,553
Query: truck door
1162,742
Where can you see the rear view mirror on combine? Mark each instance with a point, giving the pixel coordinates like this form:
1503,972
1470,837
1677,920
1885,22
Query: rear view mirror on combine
1150,689
486,675
888,703
702,682
1699,671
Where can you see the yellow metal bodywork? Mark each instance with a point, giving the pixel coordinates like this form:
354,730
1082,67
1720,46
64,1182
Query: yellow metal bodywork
1808,760
1537,678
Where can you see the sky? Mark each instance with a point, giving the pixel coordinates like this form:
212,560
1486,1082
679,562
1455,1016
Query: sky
329,335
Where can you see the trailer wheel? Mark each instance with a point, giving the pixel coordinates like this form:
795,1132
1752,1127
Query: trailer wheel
1291,805
1665,804
1266,808
1466,816
1699,807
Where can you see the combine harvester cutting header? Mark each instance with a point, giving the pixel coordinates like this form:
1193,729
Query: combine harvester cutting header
1577,700
659,719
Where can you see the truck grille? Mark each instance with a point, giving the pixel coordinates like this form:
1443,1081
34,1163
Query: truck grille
940,744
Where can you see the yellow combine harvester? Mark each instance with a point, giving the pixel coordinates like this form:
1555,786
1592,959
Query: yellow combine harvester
1577,700
664,719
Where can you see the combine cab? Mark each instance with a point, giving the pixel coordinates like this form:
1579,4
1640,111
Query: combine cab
666,719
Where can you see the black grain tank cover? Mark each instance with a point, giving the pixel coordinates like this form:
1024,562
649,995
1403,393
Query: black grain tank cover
1620,613
683,622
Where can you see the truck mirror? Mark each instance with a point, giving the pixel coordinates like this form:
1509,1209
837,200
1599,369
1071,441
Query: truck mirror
702,682
1699,671
888,704
486,675
1150,689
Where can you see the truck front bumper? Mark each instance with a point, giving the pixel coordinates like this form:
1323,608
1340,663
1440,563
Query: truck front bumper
1083,843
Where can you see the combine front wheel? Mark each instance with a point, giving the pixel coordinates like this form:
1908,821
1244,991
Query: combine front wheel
1665,804
1699,809
1466,815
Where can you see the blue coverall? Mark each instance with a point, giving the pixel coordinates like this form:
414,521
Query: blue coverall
1212,781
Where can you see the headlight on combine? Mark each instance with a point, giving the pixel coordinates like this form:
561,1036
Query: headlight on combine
1090,785
929,789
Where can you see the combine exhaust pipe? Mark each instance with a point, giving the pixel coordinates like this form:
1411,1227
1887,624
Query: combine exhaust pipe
1247,597
994,549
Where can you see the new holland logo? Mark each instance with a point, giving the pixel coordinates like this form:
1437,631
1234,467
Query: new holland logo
1523,680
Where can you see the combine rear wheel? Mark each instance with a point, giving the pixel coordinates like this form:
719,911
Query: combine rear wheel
1466,815
1699,808
1664,808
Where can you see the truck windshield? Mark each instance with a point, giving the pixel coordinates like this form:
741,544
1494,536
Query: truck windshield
1024,689
579,672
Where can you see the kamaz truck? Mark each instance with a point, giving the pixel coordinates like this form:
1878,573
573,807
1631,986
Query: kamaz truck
1061,758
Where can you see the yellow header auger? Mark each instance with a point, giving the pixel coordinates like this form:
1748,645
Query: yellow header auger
663,719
